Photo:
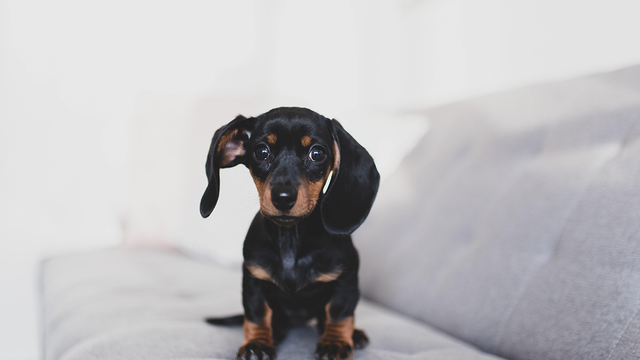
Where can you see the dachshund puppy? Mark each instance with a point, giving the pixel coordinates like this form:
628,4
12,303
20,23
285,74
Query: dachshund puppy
299,260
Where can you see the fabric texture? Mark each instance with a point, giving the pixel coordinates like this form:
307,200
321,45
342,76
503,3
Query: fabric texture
515,223
135,304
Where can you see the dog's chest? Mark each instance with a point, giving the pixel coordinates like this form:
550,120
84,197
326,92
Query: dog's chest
295,264
297,261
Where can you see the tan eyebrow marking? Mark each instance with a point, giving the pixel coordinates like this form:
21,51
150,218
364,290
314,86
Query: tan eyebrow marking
272,138
306,140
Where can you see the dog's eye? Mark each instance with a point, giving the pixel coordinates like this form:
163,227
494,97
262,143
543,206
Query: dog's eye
261,152
317,154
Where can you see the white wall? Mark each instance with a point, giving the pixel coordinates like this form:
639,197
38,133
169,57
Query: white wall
429,52
71,72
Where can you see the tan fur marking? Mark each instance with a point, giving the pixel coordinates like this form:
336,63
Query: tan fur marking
308,194
272,138
336,156
225,138
306,140
259,272
229,148
305,203
264,193
330,276
261,187
231,151
337,331
259,333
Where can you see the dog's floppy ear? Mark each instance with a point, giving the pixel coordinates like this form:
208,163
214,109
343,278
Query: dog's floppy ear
353,187
226,150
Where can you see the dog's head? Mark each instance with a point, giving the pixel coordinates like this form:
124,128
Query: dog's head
291,153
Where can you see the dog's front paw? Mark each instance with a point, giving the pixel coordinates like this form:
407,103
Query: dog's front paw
256,350
333,350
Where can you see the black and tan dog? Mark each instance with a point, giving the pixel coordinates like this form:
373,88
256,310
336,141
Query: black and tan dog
299,260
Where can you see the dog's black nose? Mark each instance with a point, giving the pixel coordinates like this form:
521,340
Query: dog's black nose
284,197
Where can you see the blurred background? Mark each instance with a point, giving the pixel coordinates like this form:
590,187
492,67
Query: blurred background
107,108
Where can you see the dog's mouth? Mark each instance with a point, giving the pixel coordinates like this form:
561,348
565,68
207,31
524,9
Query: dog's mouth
285,220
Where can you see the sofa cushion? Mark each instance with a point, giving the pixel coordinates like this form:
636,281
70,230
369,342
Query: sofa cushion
135,304
515,223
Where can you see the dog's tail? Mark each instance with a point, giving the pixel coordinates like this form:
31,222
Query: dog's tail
234,320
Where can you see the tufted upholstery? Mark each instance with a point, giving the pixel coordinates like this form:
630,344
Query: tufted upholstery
515,224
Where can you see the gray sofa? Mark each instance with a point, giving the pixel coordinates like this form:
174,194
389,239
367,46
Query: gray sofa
511,231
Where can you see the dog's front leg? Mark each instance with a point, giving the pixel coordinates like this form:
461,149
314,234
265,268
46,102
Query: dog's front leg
258,331
340,337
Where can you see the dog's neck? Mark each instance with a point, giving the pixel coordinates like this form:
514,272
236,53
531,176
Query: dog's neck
288,242
290,239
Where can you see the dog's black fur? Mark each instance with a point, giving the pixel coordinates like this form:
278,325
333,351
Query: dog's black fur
299,260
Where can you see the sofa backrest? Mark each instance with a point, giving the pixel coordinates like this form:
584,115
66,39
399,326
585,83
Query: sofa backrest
515,223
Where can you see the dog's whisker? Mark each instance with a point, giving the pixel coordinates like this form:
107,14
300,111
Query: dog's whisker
249,205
